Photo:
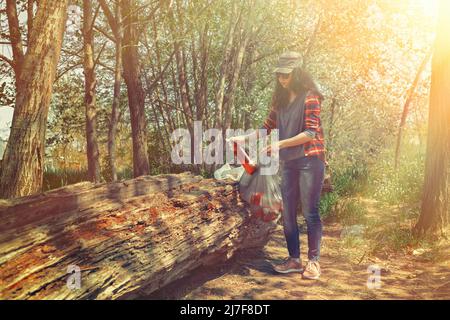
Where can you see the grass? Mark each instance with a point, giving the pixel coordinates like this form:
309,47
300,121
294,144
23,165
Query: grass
328,204
56,178
346,183
397,186
392,209
351,212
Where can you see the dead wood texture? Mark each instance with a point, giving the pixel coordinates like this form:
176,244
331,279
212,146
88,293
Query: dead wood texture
128,238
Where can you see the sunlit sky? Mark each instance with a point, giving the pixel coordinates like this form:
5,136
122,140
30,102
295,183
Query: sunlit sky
429,9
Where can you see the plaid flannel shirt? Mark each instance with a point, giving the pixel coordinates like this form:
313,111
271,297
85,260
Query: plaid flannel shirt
311,126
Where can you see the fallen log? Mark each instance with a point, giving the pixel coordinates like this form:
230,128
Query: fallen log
121,240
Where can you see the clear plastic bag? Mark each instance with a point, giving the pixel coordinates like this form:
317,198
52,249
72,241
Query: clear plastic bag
228,172
262,192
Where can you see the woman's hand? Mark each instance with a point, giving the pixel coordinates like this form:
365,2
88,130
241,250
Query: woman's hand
268,149
238,139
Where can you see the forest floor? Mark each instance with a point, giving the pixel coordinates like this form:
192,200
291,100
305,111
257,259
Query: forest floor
409,272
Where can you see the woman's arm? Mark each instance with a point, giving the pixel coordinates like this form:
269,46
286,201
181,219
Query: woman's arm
299,139
312,124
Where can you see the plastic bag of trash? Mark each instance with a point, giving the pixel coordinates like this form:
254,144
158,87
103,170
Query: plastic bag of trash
228,172
262,192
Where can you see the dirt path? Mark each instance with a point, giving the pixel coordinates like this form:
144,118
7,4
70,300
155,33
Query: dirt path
250,275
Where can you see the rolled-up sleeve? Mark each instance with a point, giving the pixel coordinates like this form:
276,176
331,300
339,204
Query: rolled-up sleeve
312,116
310,133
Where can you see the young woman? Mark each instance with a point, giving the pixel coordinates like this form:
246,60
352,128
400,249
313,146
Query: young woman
295,113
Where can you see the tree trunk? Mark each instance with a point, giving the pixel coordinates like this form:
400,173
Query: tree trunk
112,132
23,162
116,98
202,108
116,27
89,95
136,94
128,239
435,197
220,89
407,103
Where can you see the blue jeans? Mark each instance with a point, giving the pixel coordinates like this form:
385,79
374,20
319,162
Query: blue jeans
302,179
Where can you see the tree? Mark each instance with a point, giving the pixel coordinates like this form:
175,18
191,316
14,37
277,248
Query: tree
22,168
411,92
435,197
136,94
116,27
90,83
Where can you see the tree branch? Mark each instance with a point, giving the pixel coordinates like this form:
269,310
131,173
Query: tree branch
94,17
105,66
106,34
154,82
73,53
7,60
59,76
14,31
30,17
112,21
99,54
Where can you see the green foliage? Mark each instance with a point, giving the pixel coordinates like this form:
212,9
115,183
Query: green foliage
347,182
6,94
327,204
207,174
106,170
401,186
125,174
363,58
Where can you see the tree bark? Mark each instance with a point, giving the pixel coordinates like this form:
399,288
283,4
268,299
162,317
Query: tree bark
30,16
115,113
435,196
15,37
202,109
89,95
116,26
128,239
23,162
136,94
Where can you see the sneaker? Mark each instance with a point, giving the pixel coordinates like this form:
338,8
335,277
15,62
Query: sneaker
312,270
288,266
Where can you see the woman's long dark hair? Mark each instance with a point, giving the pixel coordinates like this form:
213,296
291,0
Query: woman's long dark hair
301,82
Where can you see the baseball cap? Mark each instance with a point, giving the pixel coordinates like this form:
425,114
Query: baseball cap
287,62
